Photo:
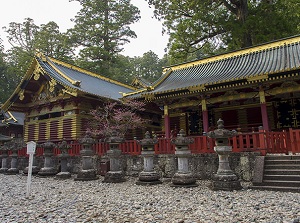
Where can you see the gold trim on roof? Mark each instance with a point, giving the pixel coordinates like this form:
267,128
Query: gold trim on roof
238,53
89,73
74,82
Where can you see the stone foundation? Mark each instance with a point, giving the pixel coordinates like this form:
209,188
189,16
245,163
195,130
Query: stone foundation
202,166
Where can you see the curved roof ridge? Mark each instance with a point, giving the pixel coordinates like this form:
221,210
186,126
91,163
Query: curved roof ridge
81,70
236,53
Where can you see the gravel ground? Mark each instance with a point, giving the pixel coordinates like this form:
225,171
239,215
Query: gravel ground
54,200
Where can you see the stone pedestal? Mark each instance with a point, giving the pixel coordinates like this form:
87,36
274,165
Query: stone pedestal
35,168
16,145
63,156
87,171
115,174
48,169
64,173
4,157
13,164
183,177
225,179
148,175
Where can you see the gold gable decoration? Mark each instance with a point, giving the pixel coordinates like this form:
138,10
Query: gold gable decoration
37,72
47,91
21,94
52,85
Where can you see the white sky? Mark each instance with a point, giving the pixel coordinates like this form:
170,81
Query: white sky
148,29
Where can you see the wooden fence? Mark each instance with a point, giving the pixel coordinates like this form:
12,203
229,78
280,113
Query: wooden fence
262,141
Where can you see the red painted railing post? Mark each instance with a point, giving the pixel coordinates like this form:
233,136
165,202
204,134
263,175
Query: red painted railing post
262,142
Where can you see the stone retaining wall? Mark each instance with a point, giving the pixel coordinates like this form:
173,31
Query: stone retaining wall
202,165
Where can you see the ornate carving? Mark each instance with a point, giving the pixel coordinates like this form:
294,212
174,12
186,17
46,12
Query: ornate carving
21,95
37,72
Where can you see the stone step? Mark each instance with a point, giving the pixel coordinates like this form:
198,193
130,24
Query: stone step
282,177
282,162
282,166
276,188
282,172
282,157
278,183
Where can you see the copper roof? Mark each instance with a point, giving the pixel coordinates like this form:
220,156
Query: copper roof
248,64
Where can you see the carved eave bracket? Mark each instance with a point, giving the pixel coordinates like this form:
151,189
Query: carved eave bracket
38,71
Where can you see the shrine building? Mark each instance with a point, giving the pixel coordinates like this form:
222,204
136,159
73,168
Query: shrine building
57,97
248,88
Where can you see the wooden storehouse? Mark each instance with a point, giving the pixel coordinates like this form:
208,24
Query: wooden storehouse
57,97
248,88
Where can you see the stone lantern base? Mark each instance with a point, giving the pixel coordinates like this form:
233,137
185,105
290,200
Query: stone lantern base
114,177
183,180
86,175
3,170
47,171
63,175
12,171
35,170
225,182
148,178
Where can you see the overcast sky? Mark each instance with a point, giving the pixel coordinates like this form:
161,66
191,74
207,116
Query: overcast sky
148,29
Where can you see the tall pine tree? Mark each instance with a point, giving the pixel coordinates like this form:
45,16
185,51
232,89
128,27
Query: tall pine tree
101,29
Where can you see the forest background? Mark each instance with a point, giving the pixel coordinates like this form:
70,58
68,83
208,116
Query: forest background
196,29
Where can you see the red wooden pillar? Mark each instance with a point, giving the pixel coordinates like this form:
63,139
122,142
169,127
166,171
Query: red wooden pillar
263,108
167,121
204,115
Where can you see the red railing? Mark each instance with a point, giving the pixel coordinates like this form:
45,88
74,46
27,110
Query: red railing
262,141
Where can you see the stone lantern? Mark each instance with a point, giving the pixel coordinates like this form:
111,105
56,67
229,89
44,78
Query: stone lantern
63,156
148,175
225,179
16,146
4,155
87,170
48,169
183,177
115,174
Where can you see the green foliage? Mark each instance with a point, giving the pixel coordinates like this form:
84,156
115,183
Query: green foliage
50,41
198,26
148,67
26,38
8,79
101,29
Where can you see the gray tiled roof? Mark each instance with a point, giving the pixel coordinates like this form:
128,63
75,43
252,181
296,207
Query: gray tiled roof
268,61
276,57
90,84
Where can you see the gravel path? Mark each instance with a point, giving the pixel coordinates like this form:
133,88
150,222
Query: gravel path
55,200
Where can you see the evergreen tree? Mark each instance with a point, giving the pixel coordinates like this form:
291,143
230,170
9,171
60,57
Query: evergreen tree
101,29
224,24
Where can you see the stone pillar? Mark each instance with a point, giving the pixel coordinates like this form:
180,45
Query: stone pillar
225,179
48,169
183,177
115,174
16,146
87,170
148,175
63,156
4,156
